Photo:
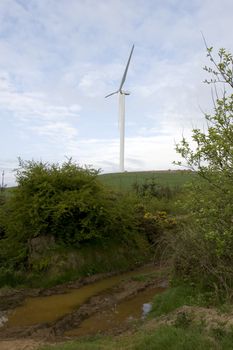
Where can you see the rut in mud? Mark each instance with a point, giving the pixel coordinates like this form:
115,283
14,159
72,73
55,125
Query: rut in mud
60,315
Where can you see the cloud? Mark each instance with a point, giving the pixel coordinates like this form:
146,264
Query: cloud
59,59
36,114
29,105
57,131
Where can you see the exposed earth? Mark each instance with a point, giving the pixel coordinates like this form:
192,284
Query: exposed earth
15,336
72,324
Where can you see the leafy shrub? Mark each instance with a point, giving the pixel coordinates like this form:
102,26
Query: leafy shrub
151,188
66,202
10,277
205,251
154,224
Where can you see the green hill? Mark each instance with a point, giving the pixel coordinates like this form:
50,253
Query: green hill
124,181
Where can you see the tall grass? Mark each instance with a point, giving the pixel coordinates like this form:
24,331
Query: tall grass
177,296
161,338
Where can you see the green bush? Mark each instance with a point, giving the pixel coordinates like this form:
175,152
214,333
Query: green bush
65,202
151,188
204,250
10,277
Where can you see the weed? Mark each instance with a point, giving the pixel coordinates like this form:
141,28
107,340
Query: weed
163,338
176,297
183,320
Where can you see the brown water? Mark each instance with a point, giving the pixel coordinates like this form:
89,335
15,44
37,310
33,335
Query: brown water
116,317
50,308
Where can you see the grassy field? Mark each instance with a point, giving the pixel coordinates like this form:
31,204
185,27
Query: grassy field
7,192
124,181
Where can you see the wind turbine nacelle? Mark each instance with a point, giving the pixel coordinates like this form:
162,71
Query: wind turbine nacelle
125,92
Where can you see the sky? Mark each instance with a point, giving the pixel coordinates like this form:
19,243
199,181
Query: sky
59,58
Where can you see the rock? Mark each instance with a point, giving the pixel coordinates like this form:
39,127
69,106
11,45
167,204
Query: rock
146,308
3,319
38,245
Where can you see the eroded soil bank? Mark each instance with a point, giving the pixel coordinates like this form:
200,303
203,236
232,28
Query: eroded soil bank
98,296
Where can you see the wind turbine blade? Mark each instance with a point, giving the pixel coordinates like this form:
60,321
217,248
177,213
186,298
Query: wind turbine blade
113,93
126,69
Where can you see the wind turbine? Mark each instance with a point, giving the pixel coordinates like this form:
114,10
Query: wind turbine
122,111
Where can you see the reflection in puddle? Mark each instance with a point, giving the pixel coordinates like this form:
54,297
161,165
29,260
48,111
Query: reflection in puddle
3,319
133,309
146,308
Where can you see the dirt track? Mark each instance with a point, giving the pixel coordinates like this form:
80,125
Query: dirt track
20,344
31,337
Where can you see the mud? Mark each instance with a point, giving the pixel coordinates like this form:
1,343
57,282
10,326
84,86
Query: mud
118,318
53,330
11,298
101,303
19,344
57,330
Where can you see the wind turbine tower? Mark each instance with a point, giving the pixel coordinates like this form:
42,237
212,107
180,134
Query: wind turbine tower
121,93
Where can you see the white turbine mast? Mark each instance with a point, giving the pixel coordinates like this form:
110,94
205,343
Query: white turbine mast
122,94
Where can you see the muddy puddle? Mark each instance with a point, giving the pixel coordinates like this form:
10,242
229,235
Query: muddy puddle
135,308
36,310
